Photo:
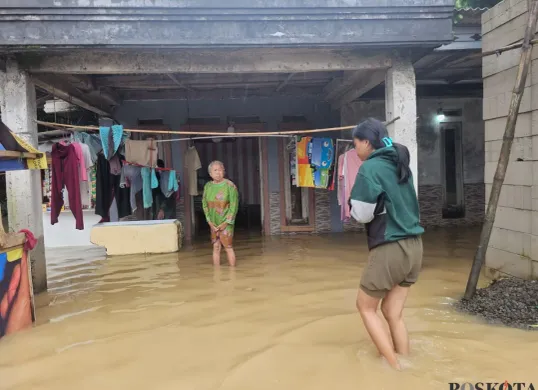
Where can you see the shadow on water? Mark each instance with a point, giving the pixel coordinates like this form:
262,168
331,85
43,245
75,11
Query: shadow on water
283,319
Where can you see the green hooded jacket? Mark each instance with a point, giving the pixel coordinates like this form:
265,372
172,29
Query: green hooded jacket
389,210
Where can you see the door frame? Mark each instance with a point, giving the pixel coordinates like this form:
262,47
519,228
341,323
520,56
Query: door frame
457,125
285,227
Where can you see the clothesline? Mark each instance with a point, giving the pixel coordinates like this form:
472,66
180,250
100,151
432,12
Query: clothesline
144,166
216,134
224,136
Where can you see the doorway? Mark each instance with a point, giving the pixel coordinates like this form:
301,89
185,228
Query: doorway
452,170
240,157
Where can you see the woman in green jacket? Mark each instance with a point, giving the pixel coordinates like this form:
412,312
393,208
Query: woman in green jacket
385,200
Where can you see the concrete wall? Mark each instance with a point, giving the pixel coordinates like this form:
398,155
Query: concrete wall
513,248
430,188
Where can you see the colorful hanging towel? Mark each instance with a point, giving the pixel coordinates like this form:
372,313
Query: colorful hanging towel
322,160
305,176
315,162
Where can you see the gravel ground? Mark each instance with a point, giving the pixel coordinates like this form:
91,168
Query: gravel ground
512,302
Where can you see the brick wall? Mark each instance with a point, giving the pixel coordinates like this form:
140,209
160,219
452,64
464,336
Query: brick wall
323,211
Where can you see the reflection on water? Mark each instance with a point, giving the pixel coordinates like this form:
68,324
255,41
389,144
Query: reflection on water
284,319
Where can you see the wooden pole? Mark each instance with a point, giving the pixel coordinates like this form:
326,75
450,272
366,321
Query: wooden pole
502,165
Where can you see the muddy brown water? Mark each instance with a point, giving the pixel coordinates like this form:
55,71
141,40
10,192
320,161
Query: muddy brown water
284,319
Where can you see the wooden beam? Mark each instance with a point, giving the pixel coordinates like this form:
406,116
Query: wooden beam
349,80
12,155
66,96
42,100
200,61
372,81
179,83
285,82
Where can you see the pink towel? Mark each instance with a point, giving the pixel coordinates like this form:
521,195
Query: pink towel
351,169
82,164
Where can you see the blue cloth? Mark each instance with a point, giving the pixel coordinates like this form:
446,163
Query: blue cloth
149,182
168,183
3,262
172,182
116,137
322,152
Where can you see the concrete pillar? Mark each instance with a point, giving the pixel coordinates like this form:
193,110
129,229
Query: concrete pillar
24,196
401,101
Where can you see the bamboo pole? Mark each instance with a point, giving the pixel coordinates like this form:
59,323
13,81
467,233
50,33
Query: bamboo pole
216,134
508,138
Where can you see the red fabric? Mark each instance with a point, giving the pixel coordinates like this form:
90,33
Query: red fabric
65,173
31,241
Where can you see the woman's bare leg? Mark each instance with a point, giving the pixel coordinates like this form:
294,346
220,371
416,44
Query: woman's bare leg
216,253
230,253
367,306
392,309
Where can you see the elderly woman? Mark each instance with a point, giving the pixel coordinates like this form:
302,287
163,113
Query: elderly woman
220,202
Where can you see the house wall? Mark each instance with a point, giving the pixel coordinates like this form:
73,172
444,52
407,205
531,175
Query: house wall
270,111
320,114
513,247
430,188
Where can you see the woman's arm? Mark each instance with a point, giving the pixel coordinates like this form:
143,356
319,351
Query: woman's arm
234,204
204,205
363,200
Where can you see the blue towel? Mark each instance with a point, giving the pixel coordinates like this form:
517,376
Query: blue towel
172,182
149,182
106,137
117,136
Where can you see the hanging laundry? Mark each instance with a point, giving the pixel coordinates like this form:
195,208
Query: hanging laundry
86,186
111,139
168,183
93,142
149,182
141,152
352,164
115,165
322,160
192,165
81,162
107,189
65,173
305,177
131,178
315,162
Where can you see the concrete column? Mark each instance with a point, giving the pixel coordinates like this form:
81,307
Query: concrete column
401,101
24,196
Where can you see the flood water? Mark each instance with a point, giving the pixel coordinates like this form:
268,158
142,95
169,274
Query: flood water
284,319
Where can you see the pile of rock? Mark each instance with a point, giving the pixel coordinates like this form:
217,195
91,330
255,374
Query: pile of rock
512,302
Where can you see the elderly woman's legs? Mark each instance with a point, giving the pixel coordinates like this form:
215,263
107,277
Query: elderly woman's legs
230,253
216,252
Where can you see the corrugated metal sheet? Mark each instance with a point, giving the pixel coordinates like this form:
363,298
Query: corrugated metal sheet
241,159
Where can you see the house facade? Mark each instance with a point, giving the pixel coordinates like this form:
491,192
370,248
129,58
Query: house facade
265,65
